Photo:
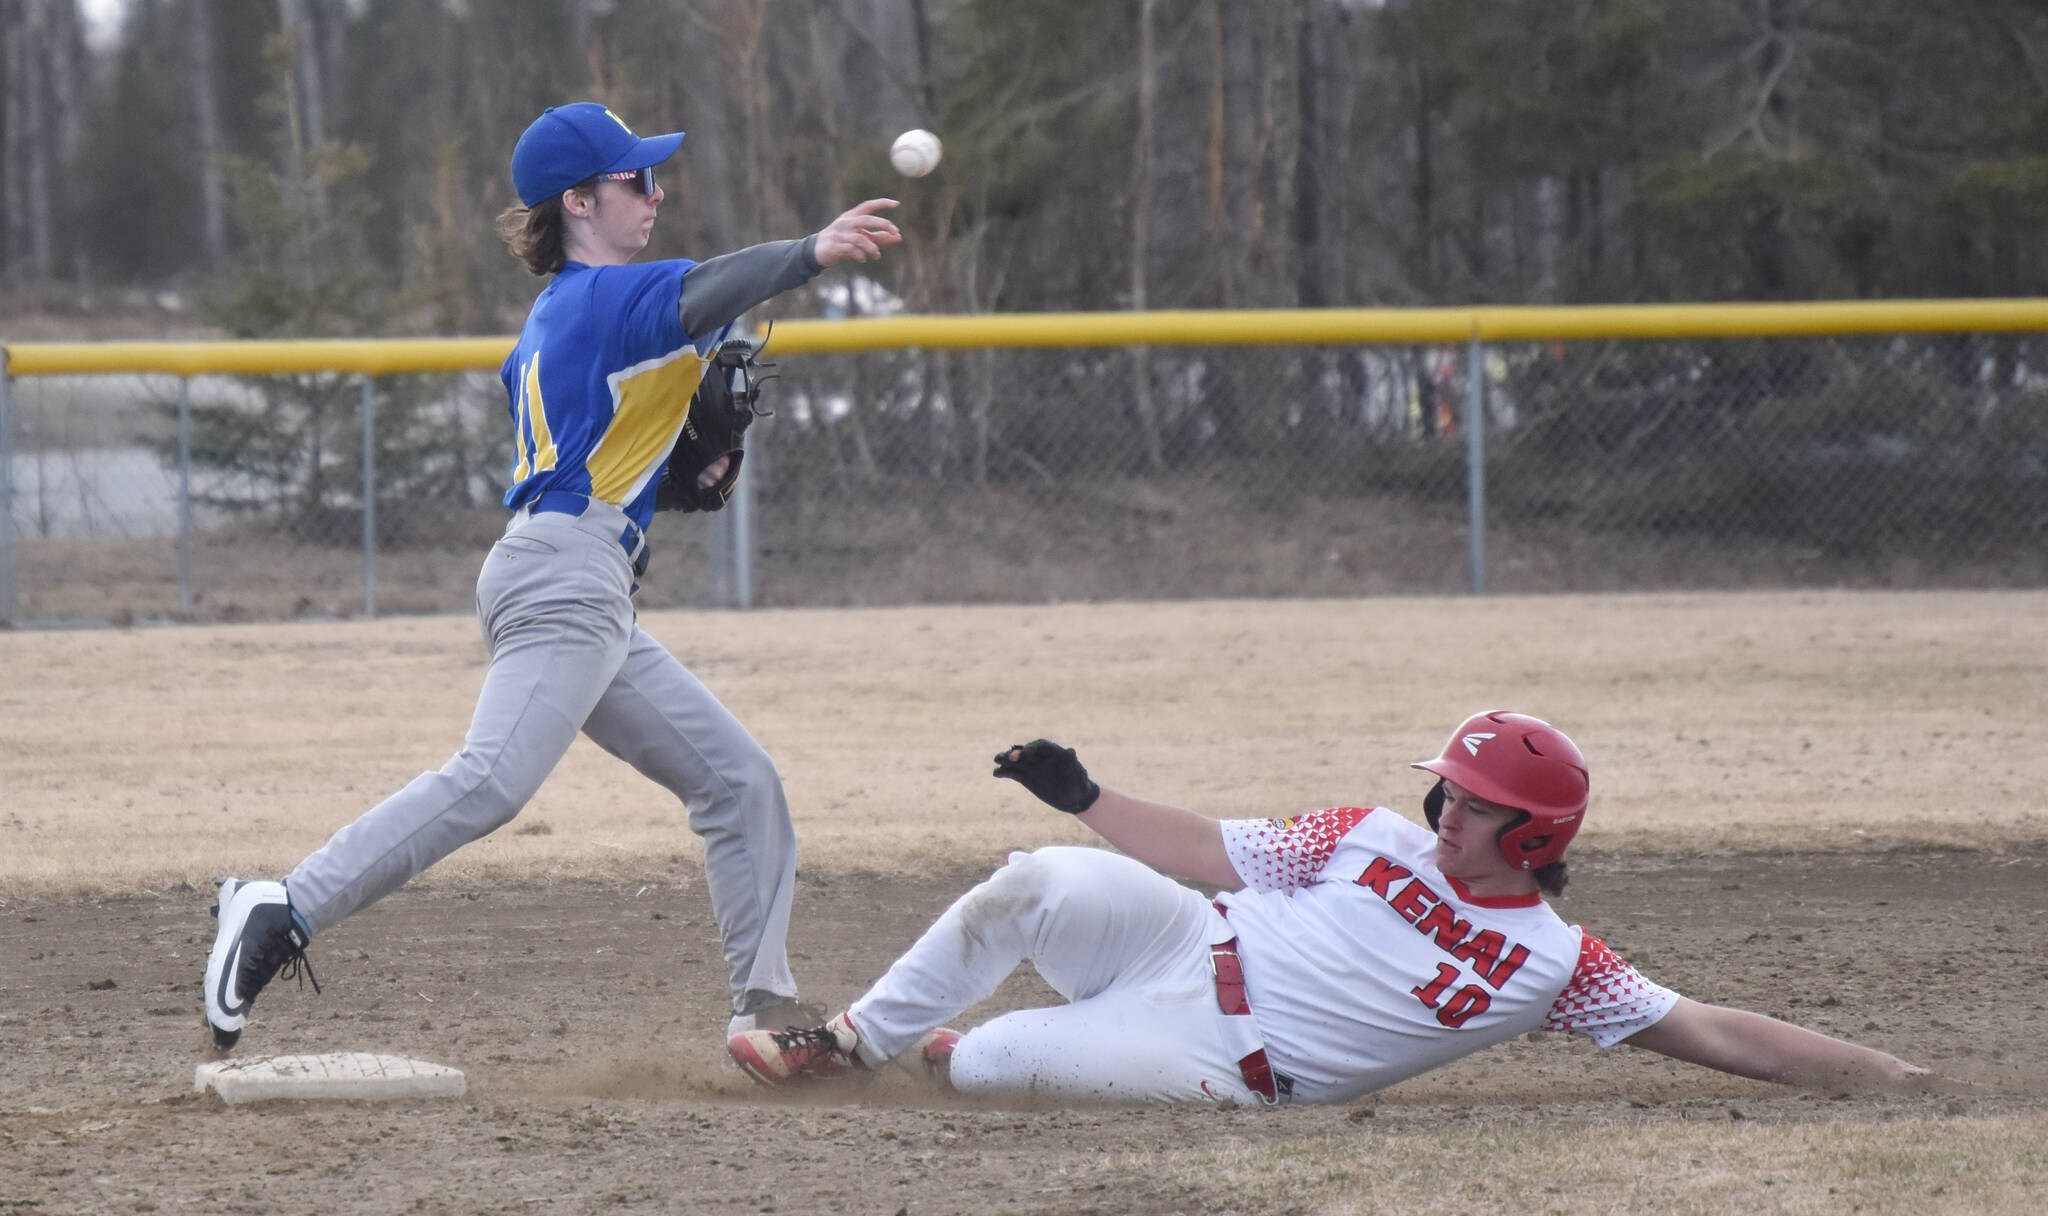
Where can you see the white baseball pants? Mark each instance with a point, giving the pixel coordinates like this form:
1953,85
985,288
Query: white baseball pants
555,601
1127,947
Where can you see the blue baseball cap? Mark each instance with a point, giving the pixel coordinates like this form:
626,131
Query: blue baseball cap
574,143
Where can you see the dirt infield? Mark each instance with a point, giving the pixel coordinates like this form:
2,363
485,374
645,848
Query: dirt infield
587,1017
1822,806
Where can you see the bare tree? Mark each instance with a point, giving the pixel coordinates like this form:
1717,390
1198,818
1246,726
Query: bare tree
1314,54
13,186
1141,230
1238,131
297,24
213,239
301,26
30,252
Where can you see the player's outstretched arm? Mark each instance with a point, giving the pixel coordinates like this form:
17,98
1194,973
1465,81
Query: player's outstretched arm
1752,1045
716,291
1166,838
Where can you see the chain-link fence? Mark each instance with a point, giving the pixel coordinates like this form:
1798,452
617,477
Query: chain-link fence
909,476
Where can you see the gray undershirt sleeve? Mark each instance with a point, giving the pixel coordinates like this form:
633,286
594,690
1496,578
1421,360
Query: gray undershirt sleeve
716,292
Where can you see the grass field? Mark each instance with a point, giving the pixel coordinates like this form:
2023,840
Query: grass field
1824,805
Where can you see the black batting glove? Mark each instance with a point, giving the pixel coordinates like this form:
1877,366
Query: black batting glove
1051,772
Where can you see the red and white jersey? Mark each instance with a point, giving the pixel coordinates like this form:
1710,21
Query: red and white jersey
1366,965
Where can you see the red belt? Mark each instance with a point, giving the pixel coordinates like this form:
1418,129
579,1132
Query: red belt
1229,971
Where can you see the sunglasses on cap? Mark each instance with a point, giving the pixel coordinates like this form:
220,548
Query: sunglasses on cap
643,176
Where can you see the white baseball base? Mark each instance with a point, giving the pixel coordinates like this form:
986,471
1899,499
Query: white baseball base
358,1075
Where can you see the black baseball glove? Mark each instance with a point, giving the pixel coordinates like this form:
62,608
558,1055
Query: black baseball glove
1051,772
720,412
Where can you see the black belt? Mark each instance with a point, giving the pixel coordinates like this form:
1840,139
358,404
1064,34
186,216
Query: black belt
569,502
1256,1069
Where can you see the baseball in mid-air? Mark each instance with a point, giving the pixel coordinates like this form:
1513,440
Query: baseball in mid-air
915,153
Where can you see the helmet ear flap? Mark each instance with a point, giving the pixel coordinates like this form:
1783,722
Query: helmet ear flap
1433,803
1527,839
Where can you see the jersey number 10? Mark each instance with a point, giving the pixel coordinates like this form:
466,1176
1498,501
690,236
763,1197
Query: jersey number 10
1463,1005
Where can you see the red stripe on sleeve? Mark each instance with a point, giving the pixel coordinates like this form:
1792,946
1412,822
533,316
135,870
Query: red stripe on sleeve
1607,999
1282,854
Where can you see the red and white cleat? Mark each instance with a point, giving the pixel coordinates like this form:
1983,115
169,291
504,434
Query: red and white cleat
935,1052
783,1057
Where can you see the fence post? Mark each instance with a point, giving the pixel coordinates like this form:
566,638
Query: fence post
743,530
369,497
718,554
185,496
1475,458
6,492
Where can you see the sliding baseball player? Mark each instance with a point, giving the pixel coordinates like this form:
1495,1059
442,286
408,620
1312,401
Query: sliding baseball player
1351,949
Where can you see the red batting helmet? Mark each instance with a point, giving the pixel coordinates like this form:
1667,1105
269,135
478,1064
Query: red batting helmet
1526,763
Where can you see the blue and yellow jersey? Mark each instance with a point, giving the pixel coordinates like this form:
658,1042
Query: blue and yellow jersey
599,382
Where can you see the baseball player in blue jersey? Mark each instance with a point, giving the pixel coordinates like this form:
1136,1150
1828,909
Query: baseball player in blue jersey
599,386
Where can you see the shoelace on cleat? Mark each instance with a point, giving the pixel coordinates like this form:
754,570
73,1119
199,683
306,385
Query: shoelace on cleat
294,966
803,1048
300,969
816,1035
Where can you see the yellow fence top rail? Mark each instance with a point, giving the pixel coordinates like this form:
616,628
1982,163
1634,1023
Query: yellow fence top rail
369,356
1281,326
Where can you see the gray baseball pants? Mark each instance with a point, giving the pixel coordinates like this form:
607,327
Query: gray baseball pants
555,601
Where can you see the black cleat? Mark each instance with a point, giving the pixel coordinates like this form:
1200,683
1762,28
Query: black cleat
258,939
